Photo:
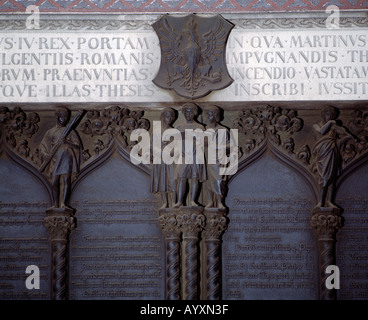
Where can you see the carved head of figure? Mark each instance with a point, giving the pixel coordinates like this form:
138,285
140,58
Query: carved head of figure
62,116
190,111
329,113
167,116
213,114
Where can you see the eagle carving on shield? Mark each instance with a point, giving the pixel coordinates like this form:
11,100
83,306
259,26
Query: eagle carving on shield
193,54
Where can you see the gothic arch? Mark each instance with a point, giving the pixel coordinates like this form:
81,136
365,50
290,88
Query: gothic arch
282,157
27,166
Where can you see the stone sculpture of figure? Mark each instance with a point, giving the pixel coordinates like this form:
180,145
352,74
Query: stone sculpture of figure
65,161
193,172
327,154
163,175
215,184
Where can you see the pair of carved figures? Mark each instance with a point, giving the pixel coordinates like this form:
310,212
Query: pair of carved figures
175,181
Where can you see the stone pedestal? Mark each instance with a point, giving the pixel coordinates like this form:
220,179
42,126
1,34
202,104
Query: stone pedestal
60,222
326,221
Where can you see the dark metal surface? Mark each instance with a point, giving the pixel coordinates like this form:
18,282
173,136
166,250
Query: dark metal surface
193,54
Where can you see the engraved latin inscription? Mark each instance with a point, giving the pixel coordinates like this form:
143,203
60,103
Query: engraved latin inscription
23,242
352,249
352,238
268,250
116,252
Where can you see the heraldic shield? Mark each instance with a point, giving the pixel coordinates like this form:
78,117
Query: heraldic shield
193,54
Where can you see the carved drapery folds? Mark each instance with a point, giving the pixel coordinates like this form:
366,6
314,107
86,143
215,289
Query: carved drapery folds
335,148
186,220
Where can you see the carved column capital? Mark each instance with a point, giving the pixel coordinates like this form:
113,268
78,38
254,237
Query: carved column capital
191,221
216,224
168,222
60,222
326,222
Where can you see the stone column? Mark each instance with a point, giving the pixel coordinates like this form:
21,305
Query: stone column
326,221
60,222
216,224
167,221
191,221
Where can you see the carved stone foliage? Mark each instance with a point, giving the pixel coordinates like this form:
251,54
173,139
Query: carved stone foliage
273,124
103,126
358,126
169,224
326,223
191,222
59,226
216,224
296,138
97,131
57,145
18,127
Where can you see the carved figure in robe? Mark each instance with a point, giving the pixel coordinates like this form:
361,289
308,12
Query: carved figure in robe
194,172
64,156
163,175
215,185
327,153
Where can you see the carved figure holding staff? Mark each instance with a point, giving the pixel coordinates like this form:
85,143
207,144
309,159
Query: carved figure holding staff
60,150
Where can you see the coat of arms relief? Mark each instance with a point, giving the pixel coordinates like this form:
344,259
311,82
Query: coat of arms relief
193,54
